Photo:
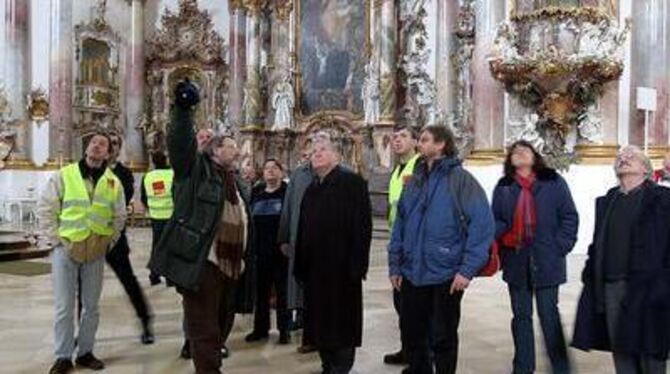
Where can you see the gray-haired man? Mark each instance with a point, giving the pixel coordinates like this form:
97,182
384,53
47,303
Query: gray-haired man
625,303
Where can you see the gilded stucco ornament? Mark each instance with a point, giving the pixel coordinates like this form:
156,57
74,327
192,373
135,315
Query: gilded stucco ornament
561,77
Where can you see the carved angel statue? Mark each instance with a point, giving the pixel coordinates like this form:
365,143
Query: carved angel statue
100,8
371,93
589,39
283,101
505,42
613,37
590,126
527,130
409,8
250,105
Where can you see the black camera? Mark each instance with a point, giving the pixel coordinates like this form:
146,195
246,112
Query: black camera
186,94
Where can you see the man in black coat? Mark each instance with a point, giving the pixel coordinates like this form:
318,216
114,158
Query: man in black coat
331,257
625,303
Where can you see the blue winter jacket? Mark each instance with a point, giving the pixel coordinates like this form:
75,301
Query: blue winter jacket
542,262
428,245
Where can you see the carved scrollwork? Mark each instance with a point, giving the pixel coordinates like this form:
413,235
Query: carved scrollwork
96,85
187,35
283,9
185,46
38,105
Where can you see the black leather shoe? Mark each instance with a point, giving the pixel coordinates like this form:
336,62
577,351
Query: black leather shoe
61,366
185,351
255,336
284,338
306,348
89,361
154,279
147,334
225,353
397,358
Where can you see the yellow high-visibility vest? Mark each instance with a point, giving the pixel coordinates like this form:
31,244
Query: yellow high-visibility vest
158,185
397,183
82,215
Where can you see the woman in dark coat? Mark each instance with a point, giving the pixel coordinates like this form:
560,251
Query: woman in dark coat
636,324
332,255
536,226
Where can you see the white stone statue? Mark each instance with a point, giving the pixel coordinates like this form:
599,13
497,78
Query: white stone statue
100,9
526,129
505,42
590,126
283,101
589,39
371,92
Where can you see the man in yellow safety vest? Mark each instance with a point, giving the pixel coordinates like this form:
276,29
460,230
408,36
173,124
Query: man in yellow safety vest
81,212
157,198
403,143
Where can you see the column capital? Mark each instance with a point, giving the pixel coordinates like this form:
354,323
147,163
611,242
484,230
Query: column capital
254,7
283,9
235,5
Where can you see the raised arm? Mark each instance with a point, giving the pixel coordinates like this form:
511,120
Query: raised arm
181,143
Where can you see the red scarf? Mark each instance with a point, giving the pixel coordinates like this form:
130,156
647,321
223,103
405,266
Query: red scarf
525,220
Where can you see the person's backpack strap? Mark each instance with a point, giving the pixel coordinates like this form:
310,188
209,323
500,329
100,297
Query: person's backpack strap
455,178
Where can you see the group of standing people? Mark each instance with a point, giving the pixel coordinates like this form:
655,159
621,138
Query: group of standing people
226,245
223,244
442,230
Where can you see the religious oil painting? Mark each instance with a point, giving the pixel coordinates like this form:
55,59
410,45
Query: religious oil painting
333,51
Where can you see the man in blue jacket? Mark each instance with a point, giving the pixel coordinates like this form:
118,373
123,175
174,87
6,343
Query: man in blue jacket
440,240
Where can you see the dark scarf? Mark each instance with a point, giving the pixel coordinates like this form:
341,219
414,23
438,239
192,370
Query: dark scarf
88,172
230,232
525,220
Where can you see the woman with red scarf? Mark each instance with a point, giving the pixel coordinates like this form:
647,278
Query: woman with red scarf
536,226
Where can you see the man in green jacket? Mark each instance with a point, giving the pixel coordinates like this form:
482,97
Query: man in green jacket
203,248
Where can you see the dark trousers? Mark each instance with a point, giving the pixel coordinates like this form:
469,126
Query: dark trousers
226,309
427,308
625,363
227,313
157,226
546,299
118,259
397,304
337,361
207,317
272,272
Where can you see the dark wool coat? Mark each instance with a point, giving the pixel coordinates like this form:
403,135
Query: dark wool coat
199,195
644,325
542,262
332,256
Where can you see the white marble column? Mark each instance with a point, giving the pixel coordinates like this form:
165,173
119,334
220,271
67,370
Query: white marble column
38,144
488,94
14,67
237,57
387,69
60,81
14,61
134,83
447,12
252,88
623,113
650,58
